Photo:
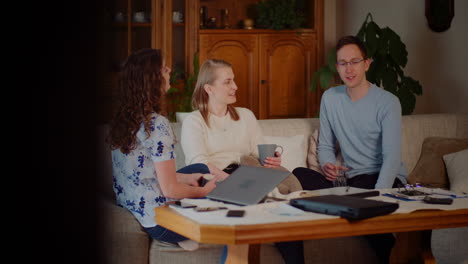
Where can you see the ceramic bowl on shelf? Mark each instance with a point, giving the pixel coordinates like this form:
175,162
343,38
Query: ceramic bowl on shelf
177,17
119,17
139,17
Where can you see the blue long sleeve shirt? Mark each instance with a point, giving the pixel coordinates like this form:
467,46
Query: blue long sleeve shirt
368,132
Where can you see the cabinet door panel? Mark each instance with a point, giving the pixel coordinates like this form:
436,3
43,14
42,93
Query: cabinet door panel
285,72
242,52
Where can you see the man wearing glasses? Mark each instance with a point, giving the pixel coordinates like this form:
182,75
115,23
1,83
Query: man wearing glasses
366,121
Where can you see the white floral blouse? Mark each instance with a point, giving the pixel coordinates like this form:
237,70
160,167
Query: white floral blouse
135,182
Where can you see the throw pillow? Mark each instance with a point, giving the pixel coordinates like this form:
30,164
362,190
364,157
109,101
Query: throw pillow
457,170
312,156
430,168
294,150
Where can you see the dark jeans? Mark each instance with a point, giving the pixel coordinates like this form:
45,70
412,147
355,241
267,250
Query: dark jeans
163,234
312,180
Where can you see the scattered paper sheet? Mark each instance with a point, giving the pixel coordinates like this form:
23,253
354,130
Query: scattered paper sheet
281,211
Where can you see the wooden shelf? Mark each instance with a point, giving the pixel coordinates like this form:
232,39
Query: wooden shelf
255,31
124,25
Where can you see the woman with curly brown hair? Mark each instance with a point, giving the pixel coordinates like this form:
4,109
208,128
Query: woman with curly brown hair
142,145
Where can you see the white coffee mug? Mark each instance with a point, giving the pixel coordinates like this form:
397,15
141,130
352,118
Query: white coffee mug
139,17
177,17
119,17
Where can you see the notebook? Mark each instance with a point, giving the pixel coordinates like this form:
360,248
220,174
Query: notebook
247,185
349,207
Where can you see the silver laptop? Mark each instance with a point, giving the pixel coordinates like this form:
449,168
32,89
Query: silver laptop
247,185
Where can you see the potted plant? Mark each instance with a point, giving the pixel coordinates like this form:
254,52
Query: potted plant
180,93
389,57
279,14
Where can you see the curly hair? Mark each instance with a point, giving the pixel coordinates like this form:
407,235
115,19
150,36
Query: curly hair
139,97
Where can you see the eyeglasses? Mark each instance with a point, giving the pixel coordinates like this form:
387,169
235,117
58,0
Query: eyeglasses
350,63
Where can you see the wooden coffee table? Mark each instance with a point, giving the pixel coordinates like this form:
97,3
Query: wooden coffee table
244,240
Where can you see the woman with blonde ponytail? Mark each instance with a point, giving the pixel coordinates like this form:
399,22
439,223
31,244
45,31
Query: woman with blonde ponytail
217,133
220,135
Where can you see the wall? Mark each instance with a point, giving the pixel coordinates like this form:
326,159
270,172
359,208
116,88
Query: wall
439,61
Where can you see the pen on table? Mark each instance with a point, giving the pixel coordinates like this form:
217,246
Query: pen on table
208,209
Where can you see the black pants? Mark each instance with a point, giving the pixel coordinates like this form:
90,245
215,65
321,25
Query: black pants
312,180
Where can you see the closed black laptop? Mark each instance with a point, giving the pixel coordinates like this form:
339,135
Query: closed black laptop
352,208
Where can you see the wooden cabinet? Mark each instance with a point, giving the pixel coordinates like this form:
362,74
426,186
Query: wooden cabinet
130,25
272,69
287,62
241,50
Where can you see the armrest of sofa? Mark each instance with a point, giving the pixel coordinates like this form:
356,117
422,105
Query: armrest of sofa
121,237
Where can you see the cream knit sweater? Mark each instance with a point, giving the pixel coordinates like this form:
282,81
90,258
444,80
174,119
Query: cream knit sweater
224,142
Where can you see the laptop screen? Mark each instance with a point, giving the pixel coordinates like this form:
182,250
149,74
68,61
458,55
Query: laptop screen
248,185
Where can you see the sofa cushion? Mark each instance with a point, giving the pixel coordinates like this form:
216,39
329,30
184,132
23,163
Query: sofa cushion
312,157
430,168
161,252
449,245
457,170
121,237
104,160
294,150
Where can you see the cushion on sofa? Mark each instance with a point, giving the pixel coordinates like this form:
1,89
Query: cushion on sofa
294,150
457,170
312,157
448,244
430,168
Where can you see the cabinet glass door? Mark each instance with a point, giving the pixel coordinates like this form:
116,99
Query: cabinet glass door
128,26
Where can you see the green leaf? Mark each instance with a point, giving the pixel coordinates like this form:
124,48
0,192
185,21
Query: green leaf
370,74
313,83
383,43
362,31
332,60
382,63
390,81
397,49
407,100
371,38
325,79
317,115
376,69
412,85
172,90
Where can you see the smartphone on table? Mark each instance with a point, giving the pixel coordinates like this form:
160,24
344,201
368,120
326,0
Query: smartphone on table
180,204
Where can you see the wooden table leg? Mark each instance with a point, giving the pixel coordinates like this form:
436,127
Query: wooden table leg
243,254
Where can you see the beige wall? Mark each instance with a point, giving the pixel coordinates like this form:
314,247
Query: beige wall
439,61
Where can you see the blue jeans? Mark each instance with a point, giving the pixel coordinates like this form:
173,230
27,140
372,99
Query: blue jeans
163,234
